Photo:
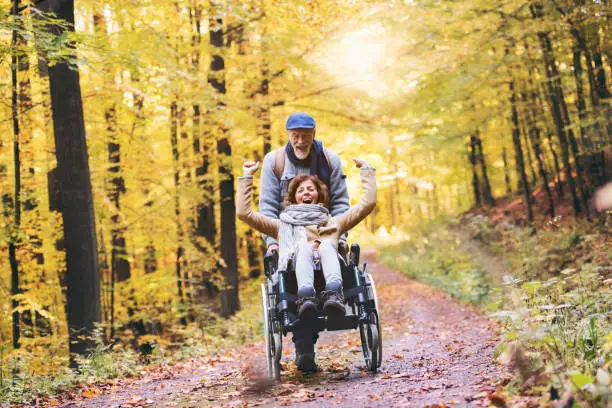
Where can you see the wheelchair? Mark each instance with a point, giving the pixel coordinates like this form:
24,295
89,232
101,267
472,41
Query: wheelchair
278,297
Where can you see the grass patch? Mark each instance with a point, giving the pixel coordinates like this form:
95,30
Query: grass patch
434,256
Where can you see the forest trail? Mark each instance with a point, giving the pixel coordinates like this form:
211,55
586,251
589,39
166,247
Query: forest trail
437,352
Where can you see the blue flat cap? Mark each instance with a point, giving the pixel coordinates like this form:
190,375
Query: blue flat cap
300,120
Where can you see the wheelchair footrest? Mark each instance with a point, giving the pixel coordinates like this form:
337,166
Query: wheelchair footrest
349,321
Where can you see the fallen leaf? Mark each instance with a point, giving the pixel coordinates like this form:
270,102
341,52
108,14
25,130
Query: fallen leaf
497,400
400,375
90,392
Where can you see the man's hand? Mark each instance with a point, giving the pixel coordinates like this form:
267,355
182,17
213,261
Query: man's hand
249,168
271,249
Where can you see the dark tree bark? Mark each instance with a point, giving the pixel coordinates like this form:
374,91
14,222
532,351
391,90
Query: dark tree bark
177,201
536,141
559,182
506,171
555,94
82,270
580,102
115,185
205,228
15,289
230,302
475,179
264,124
518,151
487,193
525,141
574,152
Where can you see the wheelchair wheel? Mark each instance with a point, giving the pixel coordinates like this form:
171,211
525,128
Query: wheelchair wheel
273,339
370,342
375,297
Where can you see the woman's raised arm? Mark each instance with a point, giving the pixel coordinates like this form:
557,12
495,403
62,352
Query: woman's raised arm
244,203
366,204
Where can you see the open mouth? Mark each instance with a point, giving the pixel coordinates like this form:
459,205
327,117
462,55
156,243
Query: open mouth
307,200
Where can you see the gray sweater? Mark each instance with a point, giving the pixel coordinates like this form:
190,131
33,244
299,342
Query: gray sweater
272,192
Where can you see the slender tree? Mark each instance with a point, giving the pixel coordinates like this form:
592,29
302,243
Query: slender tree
230,303
487,193
475,179
15,289
82,269
518,152
554,93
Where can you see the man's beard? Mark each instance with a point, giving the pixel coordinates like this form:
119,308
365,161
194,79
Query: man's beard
301,154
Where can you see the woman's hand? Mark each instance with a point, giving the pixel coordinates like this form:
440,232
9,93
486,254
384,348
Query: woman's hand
360,163
249,168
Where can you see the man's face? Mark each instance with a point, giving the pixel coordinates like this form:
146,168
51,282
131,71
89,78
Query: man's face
301,140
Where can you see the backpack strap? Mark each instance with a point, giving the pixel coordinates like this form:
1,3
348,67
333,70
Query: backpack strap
326,153
279,162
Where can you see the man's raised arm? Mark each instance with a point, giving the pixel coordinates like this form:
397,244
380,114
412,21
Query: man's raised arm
269,193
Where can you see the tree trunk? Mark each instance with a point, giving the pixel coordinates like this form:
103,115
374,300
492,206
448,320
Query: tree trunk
506,171
555,94
230,303
82,271
205,228
518,150
536,140
115,185
475,179
580,102
264,125
525,133
177,201
487,194
574,151
13,240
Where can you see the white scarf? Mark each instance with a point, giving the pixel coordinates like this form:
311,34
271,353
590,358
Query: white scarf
292,231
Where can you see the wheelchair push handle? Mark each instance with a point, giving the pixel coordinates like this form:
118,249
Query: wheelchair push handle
355,253
270,263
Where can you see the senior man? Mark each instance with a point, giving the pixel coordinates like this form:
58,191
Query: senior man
301,155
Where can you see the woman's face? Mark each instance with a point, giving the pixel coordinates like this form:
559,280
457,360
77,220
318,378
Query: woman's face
307,193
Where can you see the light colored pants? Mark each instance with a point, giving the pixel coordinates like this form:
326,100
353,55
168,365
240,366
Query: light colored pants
304,271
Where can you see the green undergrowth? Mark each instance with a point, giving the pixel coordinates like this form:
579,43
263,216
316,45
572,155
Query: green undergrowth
433,255
554,306
30,373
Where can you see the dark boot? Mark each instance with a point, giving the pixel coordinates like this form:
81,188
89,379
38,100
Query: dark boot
307,305
304,337
333,300
305,362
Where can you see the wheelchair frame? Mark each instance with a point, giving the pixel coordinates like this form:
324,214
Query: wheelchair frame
280,315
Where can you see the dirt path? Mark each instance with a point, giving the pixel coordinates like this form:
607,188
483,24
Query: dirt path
437,352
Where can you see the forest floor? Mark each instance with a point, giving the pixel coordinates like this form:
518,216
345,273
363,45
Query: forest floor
437,352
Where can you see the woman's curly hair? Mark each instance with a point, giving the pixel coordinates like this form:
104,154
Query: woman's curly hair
297,181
